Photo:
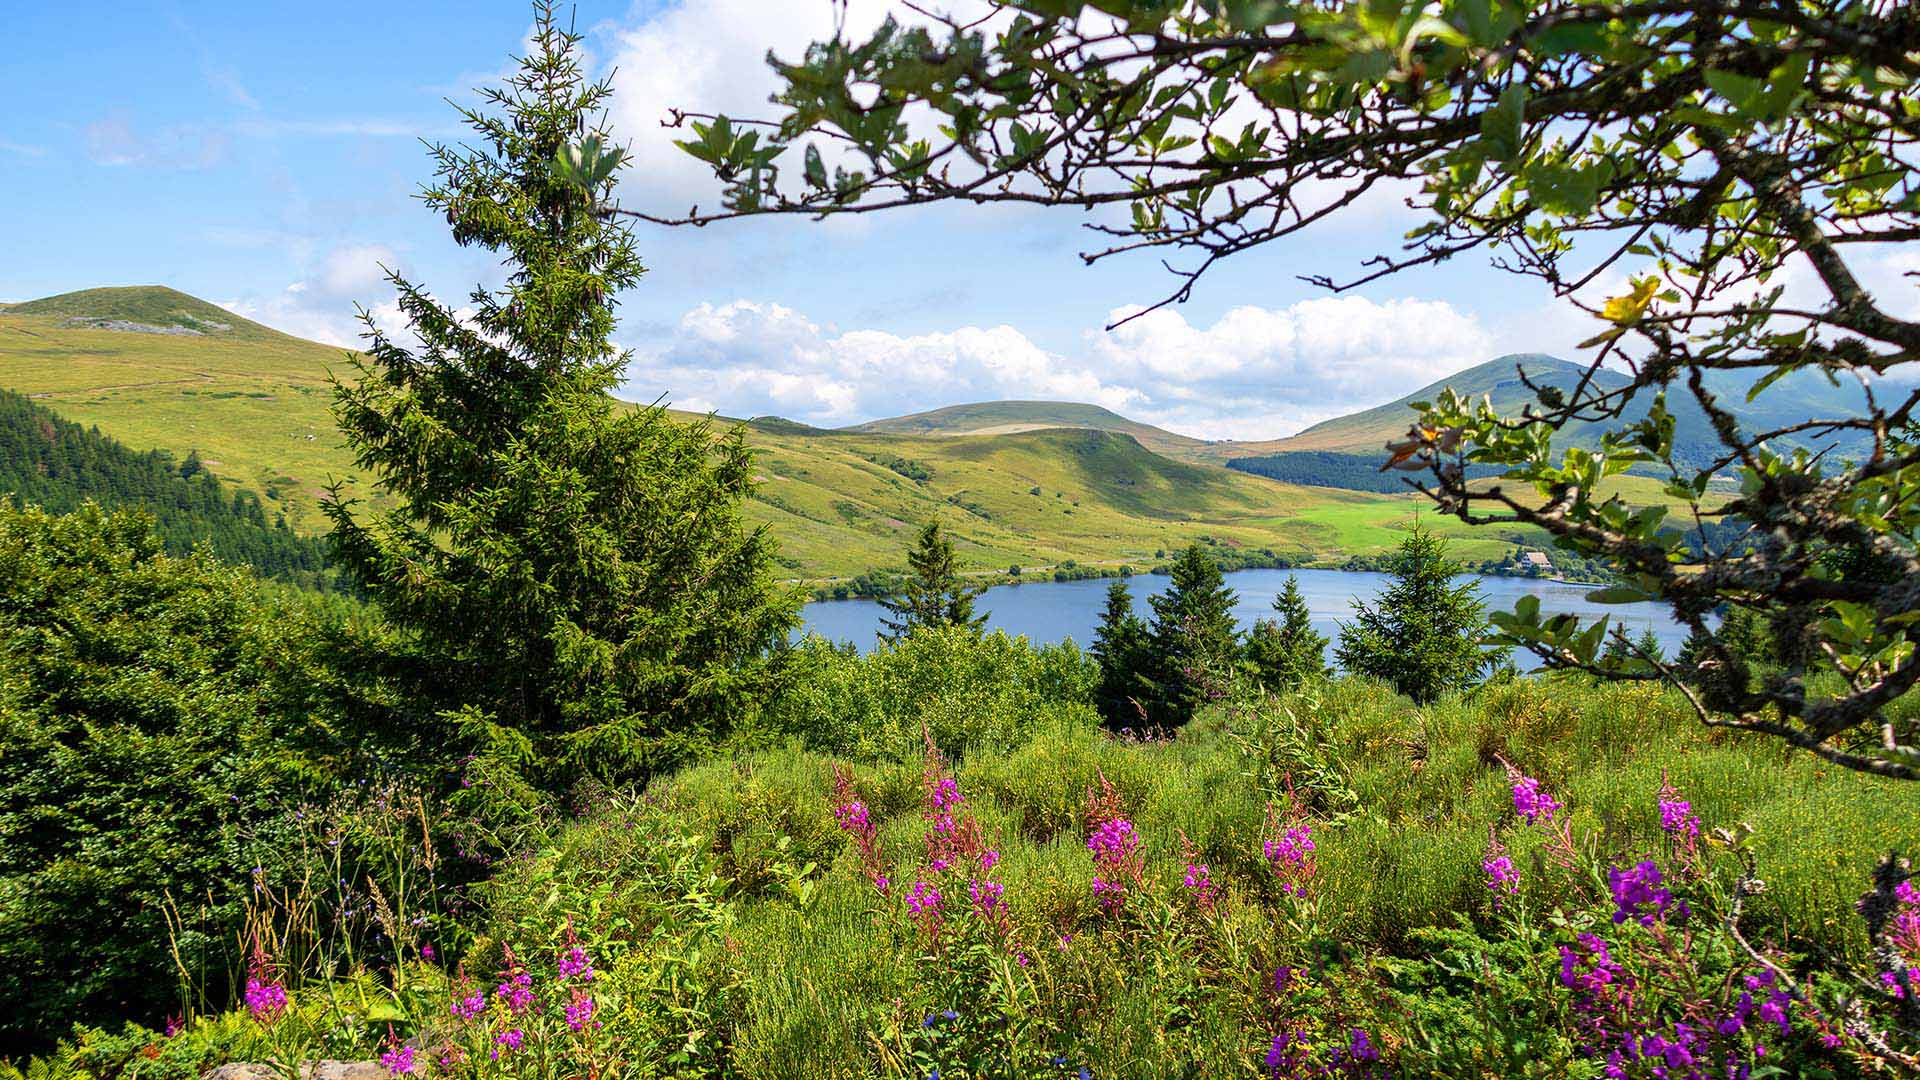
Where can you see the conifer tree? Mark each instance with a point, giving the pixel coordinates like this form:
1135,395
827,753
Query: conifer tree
1119,647
572,577
934,595
1649,644
1423,634
1194,642
1287,652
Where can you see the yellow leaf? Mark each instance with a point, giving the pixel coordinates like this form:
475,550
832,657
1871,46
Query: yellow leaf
1624,310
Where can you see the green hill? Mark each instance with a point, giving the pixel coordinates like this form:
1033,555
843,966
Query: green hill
146,309
1009,417
1033,484
58,465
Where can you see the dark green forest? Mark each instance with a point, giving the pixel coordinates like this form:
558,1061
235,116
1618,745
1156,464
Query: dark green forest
58,465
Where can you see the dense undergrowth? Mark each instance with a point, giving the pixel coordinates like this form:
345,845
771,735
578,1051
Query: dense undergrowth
1539,880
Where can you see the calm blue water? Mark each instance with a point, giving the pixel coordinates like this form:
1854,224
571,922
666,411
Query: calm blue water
1048,611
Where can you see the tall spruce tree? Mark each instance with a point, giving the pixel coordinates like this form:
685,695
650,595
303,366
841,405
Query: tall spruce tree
1194,642
1120,649
1423,634
572,577
935,594
1287,652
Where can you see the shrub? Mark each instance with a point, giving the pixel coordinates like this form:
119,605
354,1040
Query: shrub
964,690
143,763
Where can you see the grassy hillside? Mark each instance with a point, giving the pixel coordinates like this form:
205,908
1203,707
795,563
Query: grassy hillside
251,401
1006,417
58,465
254,404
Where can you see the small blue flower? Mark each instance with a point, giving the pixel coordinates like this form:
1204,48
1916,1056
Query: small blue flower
951,1015
1086,1073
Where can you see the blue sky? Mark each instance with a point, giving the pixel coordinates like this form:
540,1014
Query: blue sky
265,157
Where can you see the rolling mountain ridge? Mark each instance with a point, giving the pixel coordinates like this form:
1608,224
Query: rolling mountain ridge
254,405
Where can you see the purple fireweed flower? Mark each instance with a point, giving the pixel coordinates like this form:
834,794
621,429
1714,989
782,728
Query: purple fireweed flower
1291,848
1592,973
1501,876
398,1061
427,953
853,817
1199,881
1532,803
1286,1056
986,896
1637,893
1114,842
923,899
509,1040
1110,894
516,993
989,859
1282,978
266,999
574,964
470,1006
1677,818
946,794
579,1012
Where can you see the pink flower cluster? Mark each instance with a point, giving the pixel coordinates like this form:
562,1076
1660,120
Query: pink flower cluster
1115,845
1529,801
1289,853
398,1060
855,821
1903,936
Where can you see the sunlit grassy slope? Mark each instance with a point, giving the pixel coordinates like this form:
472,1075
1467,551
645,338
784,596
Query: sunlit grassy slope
254,403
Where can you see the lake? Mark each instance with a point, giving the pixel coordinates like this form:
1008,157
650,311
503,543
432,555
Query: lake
1048,611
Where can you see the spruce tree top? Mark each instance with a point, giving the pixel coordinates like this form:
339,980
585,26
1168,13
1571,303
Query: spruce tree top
935,594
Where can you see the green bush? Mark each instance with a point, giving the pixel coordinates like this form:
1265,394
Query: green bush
963,690
143,764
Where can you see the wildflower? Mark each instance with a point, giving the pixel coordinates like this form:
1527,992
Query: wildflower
398,1060
1637,894
1199,882
986,896
427,953
1677,818
266,999
174,1024
510,1040
1114,842
470,1006
853,817
989,859
924,900
1282,978
946,794
1501,876
1290,854
1286,1055
574,964
579,1012
516,992
1529,801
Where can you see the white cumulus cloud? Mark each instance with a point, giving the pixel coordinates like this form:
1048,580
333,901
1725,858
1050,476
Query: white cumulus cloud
1254,373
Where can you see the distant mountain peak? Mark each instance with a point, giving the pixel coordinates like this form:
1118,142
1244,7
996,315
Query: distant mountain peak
145,309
